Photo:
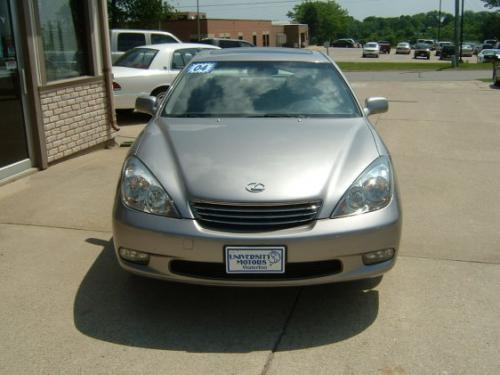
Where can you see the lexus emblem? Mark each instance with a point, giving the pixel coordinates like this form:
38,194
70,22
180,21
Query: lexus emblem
255,187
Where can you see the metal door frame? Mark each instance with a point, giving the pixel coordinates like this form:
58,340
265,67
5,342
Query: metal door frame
24,164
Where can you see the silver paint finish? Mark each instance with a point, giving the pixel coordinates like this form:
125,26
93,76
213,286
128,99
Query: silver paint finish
212,159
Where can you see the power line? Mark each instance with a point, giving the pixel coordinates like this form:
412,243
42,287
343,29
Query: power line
240,4
260,3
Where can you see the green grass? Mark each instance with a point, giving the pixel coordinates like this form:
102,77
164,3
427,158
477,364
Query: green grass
487,80
348,66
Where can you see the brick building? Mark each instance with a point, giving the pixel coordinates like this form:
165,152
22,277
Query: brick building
55,82
262,33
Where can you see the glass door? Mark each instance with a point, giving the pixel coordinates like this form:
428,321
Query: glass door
14,154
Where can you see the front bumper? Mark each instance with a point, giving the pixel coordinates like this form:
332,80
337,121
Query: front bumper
343,240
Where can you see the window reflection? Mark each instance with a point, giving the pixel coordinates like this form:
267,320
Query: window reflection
64,32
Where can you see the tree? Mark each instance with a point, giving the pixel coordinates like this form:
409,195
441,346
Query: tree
491,3
146,14
326,19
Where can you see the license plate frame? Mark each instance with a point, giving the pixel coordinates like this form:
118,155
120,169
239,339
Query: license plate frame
255,259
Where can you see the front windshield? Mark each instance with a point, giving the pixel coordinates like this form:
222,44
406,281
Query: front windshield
261,89
371,45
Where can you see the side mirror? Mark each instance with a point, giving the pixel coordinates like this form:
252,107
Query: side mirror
376,105
146,104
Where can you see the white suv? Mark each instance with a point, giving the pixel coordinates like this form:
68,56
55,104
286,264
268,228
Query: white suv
124,39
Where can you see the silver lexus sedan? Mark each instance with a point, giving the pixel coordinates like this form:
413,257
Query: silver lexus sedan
259,168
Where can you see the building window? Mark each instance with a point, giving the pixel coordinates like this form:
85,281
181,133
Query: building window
265,40
65,33
254,40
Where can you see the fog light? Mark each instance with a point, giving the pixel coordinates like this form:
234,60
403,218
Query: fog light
134,256
378,256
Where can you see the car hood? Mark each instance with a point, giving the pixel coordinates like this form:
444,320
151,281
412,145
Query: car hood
296,159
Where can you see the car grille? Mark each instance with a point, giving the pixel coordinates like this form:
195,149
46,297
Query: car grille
217,271
252,217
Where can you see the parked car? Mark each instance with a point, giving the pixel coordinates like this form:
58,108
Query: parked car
488,55
227,43
229,183
487,46
422,50
490,42
385,47
466,50
371,49
440,45
473,46
124,39
403,48
429,42
150,70
344,43
447,52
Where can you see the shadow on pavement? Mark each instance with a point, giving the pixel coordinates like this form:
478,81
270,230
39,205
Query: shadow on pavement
116,307
126,118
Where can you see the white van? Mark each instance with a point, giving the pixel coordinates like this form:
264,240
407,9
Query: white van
124,39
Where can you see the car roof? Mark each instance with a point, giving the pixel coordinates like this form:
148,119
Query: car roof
262,54
231,40
141,31
174,46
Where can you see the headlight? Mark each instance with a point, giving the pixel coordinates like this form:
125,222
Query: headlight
371,191
141,191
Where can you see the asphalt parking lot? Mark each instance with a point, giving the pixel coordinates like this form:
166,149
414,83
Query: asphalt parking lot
355,55
67,307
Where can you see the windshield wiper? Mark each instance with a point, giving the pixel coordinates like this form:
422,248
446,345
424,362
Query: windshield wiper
293,115
191,114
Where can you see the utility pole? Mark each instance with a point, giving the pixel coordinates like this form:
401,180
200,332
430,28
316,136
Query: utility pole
439,20
198,19
457,34
462,31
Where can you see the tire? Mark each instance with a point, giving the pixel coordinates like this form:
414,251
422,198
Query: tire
160,96
160,93
364,56
496,83
428,57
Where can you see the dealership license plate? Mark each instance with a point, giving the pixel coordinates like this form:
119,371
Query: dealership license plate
241,259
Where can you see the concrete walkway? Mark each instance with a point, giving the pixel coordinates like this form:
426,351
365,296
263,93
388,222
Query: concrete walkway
67,308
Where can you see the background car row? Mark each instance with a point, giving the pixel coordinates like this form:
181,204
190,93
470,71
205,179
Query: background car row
145,62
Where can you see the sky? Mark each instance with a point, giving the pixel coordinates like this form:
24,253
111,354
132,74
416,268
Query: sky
276,10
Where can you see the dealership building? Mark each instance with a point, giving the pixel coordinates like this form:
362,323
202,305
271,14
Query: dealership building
262,33
55,82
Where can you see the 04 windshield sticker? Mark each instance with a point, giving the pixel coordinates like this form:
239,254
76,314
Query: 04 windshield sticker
201,68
